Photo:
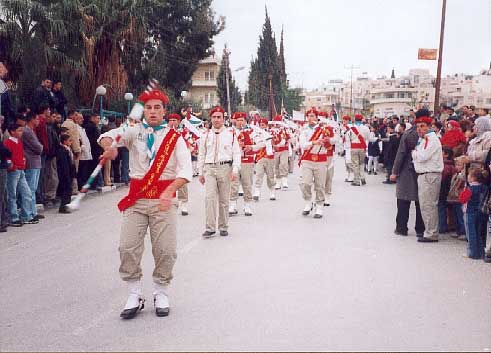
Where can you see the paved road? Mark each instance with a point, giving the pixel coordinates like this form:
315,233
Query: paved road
279,282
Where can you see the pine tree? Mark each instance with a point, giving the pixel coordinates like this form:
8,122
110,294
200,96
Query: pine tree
281,60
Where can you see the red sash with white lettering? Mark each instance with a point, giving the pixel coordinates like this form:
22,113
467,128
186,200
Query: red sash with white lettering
362,144
315,136
150,187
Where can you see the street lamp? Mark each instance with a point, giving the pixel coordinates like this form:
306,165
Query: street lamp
101,91
128,97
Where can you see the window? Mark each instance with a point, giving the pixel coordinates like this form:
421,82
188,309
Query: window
209,75
488,100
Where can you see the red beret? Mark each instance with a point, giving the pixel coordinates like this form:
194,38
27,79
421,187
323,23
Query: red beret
424,119
263,121
312,111
153,94
323,114
454,123
278,118
173,116
346,117
358,117
238,115
217,109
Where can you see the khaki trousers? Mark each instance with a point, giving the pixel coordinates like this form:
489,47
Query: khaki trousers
329,176
313,173
428,194
358,162
217,194
50,178
246,174
136,220
281,164
182,193
265,166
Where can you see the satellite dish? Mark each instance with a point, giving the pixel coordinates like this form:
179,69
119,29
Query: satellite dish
3,87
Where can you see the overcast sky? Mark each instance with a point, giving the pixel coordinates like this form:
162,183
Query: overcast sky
322,37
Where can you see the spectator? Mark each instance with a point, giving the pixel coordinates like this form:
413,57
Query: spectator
42,134
71,124
66,172
390,150
5,154
16,181
457,184
437,128
84,170
50,174
93,133
407,185
447,174
452,115
473,115
373,150
59,99
473,217
428,163
454,138
32,152
42,95
479,146
487,252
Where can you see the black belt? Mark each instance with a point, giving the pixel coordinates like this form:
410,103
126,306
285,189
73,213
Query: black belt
429,173
221,163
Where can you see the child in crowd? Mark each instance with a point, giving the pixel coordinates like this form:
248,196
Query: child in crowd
457,184
471,199
66,172
16,181
373,150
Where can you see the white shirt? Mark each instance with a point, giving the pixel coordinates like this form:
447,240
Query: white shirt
428,156
219,146
86,153
135,139
363,131
305,143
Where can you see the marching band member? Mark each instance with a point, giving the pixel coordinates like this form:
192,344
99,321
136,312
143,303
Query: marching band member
160,164
331,125
347,148
218,163
357,136
315,142
265,162
248,145
280,144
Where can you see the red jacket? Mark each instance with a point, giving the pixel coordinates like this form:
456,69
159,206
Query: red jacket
17,150
42,133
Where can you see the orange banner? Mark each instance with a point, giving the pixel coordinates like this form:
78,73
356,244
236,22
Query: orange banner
427,54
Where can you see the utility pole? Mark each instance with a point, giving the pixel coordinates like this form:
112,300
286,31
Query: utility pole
226,62
436,108
351,68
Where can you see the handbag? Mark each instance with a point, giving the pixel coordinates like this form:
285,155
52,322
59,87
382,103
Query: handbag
457,185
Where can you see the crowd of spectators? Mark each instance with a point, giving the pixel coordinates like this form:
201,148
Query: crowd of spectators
47,153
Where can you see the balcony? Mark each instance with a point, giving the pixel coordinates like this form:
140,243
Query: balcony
204,83
390,100
393,89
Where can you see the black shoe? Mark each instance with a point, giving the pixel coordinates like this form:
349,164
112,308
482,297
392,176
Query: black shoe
184,213
39,217
397,232
348,181
131,313
487,260
64,210
241,194
223,233
387,182
32,221
355,184
208,233
374,173
16,224
326,204
419,235
255,198
427,240
3,229
363,182
370,173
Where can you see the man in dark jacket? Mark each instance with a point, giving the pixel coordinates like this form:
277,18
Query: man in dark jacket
42,94
59,99
390,146
407,183
50,173
4,164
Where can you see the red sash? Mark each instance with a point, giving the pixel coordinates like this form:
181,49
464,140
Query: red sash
315,136
362,144
150,187
245,139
